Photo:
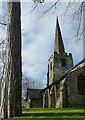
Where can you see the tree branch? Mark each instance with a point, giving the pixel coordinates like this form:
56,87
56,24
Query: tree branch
49,9
3,23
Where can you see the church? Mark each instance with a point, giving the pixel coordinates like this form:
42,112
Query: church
65,82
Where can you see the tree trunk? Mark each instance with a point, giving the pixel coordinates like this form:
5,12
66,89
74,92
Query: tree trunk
12,80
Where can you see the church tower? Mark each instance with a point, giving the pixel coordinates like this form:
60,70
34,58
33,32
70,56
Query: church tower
60,61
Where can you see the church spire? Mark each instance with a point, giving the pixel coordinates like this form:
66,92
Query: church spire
58,45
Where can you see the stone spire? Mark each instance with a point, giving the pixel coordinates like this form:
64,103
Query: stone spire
58,45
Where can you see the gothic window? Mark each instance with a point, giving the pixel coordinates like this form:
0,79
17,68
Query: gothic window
51,66
81,84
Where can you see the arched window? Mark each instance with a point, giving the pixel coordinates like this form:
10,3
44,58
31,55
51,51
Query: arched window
81,84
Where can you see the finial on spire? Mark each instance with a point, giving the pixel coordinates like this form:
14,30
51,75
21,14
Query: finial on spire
58,45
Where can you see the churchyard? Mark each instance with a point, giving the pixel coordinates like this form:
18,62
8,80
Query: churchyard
51,114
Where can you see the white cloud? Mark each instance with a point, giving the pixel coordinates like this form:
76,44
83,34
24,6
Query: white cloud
37,50
38,41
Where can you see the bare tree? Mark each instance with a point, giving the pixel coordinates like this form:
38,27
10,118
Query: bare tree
29,83
11,83
2,58
76,16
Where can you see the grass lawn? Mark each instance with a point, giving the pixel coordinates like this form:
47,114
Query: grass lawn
52,114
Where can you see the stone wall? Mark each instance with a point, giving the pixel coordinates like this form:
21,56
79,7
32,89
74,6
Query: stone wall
34,103
61,94
65,92
52,97
45,99
56,67
0,92
74,99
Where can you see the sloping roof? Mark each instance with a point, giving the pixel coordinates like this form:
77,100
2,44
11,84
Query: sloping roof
67,72
34,93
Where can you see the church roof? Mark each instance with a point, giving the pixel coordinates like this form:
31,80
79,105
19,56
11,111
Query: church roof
34,93
81,64
58,45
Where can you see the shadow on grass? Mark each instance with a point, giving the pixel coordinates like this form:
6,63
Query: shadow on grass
52,114
45,119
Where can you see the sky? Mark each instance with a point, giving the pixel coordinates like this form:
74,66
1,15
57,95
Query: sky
38,35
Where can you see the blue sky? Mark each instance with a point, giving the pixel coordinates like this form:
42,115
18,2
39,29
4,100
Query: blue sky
38,35
38,39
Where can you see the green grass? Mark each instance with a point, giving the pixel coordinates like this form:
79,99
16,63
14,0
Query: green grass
52,114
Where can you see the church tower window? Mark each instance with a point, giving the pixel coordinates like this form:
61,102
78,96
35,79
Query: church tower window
63,62
63,65
51,66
